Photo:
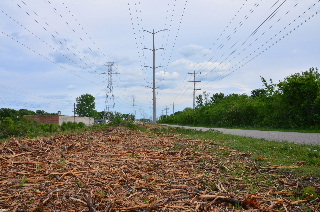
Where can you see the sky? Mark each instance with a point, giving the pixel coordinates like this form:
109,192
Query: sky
52,52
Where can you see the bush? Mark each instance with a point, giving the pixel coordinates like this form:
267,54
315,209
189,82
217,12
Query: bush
24,127
291,104
7,127
72,126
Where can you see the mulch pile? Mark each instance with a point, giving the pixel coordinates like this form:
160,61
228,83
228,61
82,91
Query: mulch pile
124,170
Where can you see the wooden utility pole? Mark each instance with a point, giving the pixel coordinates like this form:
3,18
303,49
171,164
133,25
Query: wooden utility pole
194,88
166,109
74,112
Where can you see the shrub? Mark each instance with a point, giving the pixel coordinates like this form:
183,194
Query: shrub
7,127
72,126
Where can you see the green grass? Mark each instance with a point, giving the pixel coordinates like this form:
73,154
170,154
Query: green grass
303,160
311,130
247,166
277,129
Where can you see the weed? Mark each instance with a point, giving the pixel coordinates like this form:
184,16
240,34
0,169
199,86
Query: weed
30,202
80,184
309,193
280,153
63,161
102,193
136,156
146,200
38,167
238,206
23,180
201,160
177,147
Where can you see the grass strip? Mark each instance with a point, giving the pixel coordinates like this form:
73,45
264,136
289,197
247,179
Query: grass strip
301,159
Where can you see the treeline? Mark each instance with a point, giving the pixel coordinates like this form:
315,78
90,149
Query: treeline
114,116
24,127
14,124
293,103
17,114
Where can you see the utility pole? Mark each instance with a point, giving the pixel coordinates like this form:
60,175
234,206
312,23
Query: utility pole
133,105
166,109
74,112
173,108
194,88
154,74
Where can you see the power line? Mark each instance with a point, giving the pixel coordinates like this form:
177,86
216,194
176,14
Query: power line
138,35
61,56
228,26
224,63
266,45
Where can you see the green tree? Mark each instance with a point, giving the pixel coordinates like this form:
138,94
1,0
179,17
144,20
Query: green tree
270,88
292,103
300,95
7,112
41,112
7,126
23,112
258,93
217,97
85,106
199,101
202,100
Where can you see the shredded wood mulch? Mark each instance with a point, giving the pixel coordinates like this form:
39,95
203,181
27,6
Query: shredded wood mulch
124,170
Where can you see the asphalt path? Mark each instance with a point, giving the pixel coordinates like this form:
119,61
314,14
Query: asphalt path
298,138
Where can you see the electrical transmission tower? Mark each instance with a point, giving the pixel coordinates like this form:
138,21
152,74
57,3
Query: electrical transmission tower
109,90
154,74
194,88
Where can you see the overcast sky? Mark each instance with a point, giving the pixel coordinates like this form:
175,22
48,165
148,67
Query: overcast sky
54,51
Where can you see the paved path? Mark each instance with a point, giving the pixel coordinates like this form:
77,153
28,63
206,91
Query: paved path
298,138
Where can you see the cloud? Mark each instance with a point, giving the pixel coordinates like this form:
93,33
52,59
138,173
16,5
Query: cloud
167,76
124,60
188,65
194,51
61,58
226,88
77,69
183,64
91,52
72,87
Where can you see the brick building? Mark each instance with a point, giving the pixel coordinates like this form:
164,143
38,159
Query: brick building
59,119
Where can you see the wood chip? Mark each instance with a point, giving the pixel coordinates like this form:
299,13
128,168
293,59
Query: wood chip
150,170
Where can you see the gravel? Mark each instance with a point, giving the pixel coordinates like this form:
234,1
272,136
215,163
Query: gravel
298,138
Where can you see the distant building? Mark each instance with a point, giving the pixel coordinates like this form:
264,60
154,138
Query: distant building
59,119
104,121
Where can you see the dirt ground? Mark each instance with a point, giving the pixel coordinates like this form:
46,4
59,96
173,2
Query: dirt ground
132,170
